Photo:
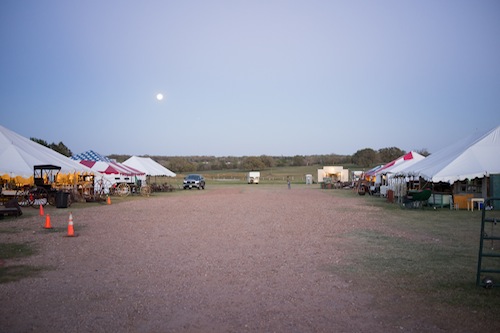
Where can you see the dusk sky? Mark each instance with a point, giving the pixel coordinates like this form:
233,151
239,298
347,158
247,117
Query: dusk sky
247,78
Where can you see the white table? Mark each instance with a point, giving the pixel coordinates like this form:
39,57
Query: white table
470,203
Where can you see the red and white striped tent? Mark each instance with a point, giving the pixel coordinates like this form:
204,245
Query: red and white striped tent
112,168
113,171
395,166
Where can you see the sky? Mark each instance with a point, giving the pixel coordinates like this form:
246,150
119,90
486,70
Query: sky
249,78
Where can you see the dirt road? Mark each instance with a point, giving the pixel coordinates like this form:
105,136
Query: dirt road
228,259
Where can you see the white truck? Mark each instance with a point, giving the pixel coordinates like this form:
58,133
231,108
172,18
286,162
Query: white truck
253,177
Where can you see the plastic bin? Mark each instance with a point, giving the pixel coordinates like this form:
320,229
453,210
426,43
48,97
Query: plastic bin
390,196
62,199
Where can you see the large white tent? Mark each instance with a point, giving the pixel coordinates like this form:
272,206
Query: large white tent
475,156
18,156
148,166
402,162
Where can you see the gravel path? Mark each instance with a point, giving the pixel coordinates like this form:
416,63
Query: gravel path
227,259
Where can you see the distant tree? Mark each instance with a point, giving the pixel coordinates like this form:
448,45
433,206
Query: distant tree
330,159
230,162
120,158
388,154
423,152
309,160
60,147
40,141
221,164
188,167
203,166
253,163
162,161
345,159
181,165
284,161
268,161
365,157
298,160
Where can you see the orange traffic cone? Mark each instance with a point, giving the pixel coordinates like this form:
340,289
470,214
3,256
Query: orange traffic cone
41,211
71,231
47,221
108,201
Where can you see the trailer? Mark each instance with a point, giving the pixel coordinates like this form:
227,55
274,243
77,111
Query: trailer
253,177
335,173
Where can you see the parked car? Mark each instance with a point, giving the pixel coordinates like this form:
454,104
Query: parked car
194,180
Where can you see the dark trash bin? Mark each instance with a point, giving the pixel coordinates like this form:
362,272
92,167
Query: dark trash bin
62,199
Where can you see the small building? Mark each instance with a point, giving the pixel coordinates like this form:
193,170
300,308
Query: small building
334,173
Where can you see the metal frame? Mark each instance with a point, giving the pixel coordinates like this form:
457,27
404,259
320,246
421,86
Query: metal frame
484,276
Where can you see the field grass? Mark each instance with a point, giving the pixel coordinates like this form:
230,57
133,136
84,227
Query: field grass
429,253
277,175
15,250
17,272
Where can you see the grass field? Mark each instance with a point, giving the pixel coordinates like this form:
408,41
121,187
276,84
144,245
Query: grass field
428,253
267,176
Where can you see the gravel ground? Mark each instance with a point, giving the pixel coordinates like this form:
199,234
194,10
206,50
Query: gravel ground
226,259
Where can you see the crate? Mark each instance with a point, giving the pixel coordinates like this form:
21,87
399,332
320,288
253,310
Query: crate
460,200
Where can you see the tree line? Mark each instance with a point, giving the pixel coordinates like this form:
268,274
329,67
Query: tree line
59,147
363,158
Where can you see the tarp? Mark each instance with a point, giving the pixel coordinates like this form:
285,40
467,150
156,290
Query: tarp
475,156
148,166
18,156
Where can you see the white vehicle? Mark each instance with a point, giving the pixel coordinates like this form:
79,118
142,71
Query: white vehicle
253,177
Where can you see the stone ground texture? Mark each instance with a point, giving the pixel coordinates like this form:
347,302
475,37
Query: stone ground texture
226,259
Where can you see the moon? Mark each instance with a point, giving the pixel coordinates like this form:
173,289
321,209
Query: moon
159,97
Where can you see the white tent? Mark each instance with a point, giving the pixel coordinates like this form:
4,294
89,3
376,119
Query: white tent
396,165
475,156
390,169
401,163
148,166
18,156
